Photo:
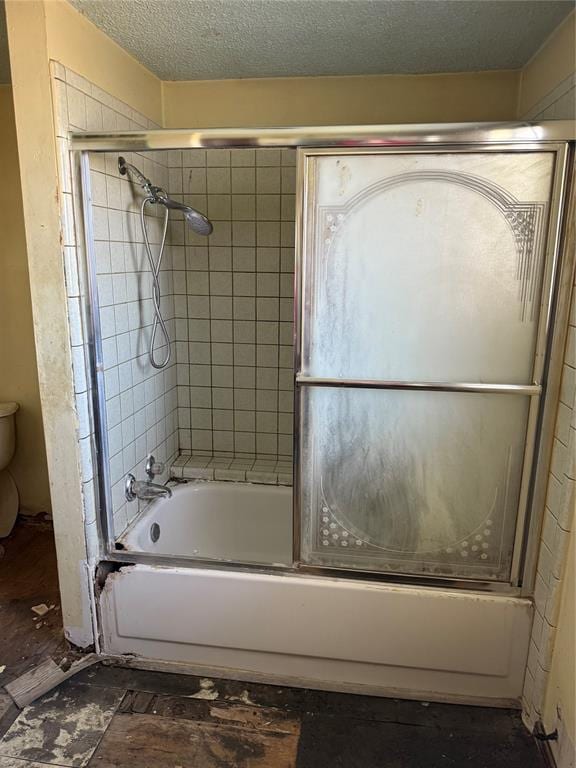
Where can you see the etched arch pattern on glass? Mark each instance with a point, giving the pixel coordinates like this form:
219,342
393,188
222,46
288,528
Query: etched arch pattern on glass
419,268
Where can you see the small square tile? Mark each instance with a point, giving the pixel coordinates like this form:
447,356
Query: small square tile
220,284
222,353
242,157
267,284
245,421
268,180
191,158
244,442
268,259
244,284
268,157
244,354
244,377
219,207
268,233
243,207
243,259
243,181
245,399
268,207
244,308
218,180
198,473
217,157
222,397
221,307
243,233
244,332
221,330
220,258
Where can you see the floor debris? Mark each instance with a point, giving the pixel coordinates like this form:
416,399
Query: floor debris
47,675
41,609
244,698
207,691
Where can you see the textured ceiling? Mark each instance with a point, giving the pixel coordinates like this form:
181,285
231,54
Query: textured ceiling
212,39
4,63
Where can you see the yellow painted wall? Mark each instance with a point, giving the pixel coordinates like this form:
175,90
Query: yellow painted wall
78,44
19,375
267,102
561,688
29,64
553,63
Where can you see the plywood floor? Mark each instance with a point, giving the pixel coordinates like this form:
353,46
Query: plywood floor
112,717
28,577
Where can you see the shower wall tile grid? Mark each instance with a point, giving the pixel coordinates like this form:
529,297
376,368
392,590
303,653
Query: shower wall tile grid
141,402
234,302
561,496
247,470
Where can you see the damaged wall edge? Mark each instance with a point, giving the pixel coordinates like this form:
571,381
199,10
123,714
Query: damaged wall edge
41,193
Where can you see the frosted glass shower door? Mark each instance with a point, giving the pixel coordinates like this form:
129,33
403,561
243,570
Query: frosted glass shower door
421,282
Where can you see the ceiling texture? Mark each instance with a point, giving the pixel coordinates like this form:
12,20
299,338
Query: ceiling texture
217,39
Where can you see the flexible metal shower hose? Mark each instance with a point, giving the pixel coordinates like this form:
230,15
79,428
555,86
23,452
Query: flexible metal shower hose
156,296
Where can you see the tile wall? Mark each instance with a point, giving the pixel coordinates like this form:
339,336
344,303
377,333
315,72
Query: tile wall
228,301
141,402
234,302
561,496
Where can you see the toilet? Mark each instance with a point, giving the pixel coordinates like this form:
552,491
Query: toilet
8,490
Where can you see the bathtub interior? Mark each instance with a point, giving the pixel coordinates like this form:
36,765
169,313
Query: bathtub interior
222,409
221,521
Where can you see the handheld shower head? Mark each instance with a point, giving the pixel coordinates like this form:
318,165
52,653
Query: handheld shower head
196,221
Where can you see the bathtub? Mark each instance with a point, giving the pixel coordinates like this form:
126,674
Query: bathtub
288,627
239,522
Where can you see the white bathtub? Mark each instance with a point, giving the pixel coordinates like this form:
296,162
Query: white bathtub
292,628
240,522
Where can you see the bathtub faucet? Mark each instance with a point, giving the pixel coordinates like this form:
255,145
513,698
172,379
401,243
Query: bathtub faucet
144,489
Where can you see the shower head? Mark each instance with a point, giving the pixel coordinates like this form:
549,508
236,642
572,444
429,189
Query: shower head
196,221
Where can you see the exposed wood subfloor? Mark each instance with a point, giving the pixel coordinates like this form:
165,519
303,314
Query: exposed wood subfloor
28,577
112,717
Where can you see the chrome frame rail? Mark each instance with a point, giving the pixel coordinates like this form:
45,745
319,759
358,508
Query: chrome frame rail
105,518
371,136
458,137
428,386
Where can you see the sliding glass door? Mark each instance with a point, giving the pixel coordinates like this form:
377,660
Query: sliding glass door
422,276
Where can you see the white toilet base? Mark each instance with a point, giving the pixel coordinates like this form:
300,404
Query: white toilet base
8,503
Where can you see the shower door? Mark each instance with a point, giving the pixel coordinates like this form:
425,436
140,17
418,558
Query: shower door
422,277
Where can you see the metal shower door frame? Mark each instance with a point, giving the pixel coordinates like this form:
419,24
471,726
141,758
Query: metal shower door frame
538,425
558,136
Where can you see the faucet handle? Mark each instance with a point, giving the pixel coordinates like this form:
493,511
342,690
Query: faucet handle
153,467
129,488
